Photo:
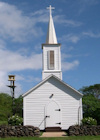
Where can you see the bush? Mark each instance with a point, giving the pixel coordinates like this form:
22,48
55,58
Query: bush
89,121
15,120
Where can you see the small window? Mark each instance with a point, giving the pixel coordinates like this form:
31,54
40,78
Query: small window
51,59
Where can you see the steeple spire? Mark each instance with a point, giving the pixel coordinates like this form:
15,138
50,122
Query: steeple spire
51,35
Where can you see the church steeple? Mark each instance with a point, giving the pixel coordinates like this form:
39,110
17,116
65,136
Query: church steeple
51,34
51,52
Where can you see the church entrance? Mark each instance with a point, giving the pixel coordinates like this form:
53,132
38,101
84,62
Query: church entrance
53,116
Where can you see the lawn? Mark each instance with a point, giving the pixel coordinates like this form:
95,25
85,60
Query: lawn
3,122
63,138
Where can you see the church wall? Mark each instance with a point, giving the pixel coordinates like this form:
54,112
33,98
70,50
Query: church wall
35,104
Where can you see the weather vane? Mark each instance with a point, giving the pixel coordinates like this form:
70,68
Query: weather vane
50,8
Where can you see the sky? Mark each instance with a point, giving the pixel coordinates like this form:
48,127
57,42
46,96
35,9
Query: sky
23,28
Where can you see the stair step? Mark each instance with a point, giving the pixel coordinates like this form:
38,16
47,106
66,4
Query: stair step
53,129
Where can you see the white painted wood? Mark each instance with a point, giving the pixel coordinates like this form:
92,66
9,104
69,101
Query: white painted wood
58,74
57,61
53,115
39,102
36,101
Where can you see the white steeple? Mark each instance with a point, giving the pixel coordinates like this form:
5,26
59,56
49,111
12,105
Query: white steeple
51,35
51,52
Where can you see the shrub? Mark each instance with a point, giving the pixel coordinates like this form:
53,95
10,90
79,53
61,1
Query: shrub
15,120
89,121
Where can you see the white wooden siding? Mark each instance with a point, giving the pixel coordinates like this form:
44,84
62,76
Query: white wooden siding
57,61
45,57
56,73
36,101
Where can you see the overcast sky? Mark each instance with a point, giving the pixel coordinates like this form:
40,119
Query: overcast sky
23,28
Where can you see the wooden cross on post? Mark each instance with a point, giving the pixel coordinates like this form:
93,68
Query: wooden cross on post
50,8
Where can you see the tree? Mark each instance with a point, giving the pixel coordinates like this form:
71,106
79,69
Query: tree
92,89
5,106
91,101
18,106
90,104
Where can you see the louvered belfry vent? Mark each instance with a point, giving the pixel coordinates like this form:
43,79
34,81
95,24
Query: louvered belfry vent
51,60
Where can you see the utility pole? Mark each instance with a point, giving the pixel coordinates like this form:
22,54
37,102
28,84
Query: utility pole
12,86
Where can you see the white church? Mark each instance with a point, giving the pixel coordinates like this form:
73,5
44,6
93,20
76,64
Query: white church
52,104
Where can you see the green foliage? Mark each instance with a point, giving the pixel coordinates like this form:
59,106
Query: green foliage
93,89
15,120
89,121
91,102
18,106
91,107
5,106
96,115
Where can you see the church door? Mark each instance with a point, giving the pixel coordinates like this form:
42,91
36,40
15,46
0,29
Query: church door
53,115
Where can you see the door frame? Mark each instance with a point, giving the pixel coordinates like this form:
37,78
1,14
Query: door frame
52,100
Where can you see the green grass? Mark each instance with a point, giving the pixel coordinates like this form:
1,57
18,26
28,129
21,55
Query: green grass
63,138
3,122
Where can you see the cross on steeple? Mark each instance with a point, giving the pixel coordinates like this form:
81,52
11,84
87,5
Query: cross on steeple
50,8
51,34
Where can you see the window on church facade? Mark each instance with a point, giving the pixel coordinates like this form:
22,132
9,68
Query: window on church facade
51,60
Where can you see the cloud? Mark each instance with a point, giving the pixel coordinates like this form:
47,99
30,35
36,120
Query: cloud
16,26
75,38
67,22
13,61
64,56
40,16
32,78
19,78
43,17
2,44
70,38
18,90
66,66
91,34
69,65
3,82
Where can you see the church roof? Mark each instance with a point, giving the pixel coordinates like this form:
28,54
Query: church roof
43,81
51,34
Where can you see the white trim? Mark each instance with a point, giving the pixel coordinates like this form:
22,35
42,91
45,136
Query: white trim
24,112
43,60
80,113
46,80
49,71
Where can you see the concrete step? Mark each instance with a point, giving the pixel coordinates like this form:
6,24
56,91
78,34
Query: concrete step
53,129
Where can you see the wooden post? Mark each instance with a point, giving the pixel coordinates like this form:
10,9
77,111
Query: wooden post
12,87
